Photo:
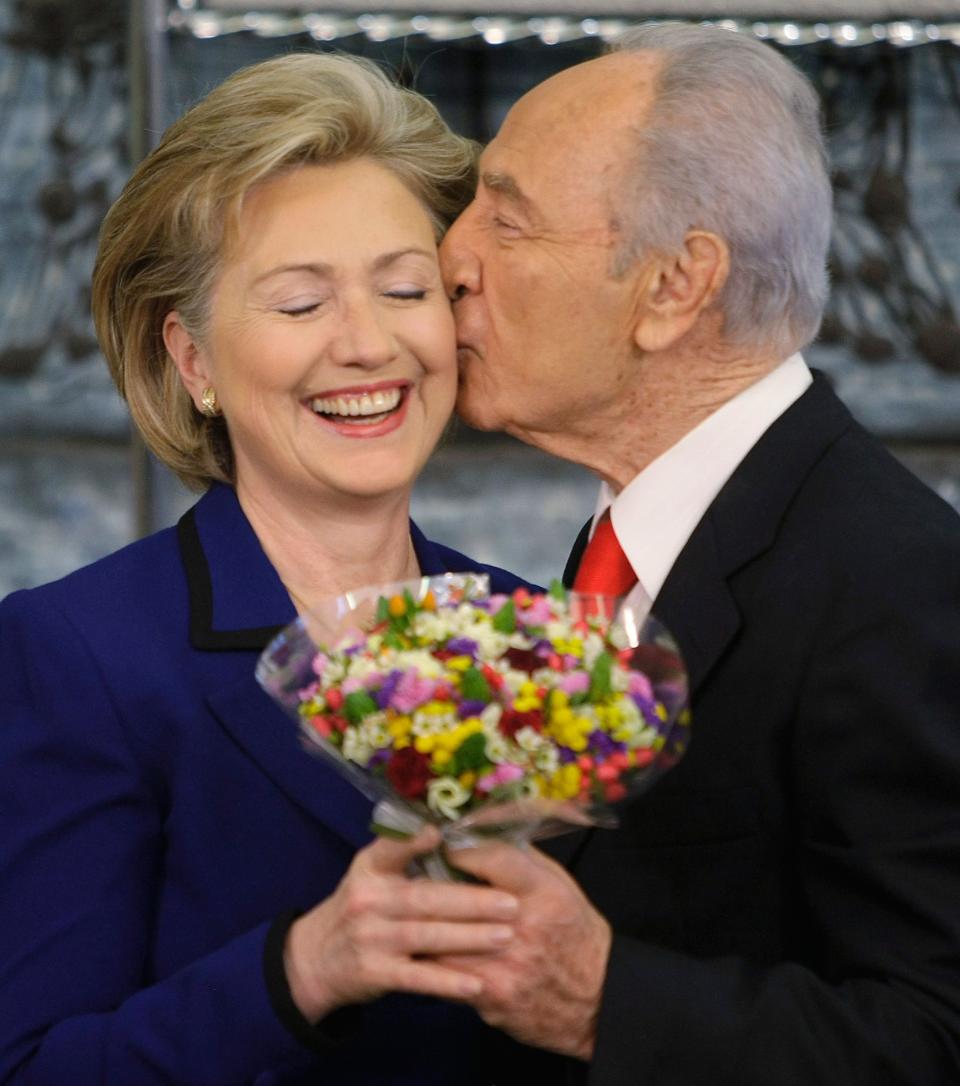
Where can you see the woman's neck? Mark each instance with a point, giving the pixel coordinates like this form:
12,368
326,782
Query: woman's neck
322,549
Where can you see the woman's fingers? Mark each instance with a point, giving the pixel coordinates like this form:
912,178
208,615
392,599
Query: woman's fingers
428,978
387,856
376,932
418,937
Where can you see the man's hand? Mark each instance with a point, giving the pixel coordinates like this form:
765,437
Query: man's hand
373,933
544,986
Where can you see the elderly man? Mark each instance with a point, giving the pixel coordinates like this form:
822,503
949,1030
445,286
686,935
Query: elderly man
642,262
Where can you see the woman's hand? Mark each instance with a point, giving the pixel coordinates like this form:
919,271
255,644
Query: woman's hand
369,937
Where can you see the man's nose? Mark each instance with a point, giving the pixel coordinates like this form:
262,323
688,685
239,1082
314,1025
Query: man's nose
459,262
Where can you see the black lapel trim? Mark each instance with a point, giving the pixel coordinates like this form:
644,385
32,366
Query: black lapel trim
573,562
200,588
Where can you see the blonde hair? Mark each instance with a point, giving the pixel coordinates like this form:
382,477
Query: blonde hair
162,241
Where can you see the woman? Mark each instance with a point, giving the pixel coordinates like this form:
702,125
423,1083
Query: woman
182,897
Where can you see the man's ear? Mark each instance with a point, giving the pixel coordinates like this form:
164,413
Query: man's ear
187,356
676,288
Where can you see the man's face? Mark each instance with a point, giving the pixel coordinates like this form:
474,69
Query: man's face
545,330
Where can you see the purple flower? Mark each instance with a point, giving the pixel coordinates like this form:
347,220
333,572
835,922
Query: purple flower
385,693
470,708
603,745
463,646
565,754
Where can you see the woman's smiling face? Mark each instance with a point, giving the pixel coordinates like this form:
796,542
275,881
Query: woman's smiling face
330,341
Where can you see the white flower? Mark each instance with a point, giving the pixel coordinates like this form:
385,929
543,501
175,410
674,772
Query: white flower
446,795
363,666
592,647
498,749
619,678
491,643
547,759
514,679
355,747
558,631
423,662
335,670
424,723
529,739
374,731
429,625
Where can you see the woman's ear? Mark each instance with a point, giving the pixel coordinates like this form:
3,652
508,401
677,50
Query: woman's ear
187,356
677,288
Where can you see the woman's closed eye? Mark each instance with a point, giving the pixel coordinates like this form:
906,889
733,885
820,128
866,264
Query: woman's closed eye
298,307
407,293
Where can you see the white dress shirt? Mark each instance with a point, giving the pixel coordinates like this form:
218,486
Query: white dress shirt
656,512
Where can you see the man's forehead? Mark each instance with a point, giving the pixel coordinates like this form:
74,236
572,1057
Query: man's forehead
603,90
574,129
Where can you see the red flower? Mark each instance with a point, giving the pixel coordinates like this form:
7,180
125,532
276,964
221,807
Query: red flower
409,771
493,677
512,721
524,659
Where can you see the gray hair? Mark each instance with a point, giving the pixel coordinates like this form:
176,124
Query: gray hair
733,145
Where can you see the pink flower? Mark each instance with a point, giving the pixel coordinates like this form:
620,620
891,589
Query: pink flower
575,682
538,613
411,692
639,686
351,685
503,774
320,662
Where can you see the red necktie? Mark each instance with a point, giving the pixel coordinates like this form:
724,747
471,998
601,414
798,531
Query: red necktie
604,569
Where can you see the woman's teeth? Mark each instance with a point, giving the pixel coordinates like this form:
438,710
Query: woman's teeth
364,406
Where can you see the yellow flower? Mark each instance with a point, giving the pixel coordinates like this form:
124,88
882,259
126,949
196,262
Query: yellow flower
468,778
569,647
425,743
441,757
397,606
400,727
460,663
429,602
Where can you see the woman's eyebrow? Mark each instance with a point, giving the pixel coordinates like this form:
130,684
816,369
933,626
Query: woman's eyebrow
386,259
322,270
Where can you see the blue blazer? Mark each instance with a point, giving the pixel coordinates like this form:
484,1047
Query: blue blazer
157,814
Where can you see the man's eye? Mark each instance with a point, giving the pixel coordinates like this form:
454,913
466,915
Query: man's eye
505,225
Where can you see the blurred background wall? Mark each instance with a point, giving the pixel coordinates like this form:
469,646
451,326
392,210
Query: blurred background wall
86,85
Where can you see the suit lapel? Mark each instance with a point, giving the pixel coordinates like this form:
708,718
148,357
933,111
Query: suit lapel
697,603
237,605
271,739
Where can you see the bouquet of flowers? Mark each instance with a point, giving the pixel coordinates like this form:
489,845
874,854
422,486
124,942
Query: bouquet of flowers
515,716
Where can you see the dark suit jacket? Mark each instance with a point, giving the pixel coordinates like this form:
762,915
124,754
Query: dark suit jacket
157,813
786,901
